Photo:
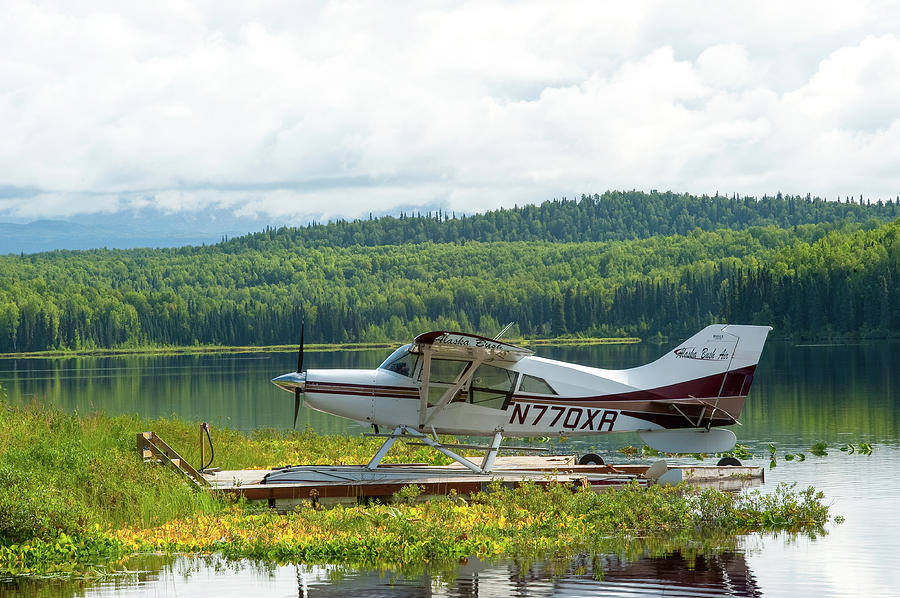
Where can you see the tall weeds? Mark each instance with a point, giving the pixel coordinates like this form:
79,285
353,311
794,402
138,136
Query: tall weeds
61,473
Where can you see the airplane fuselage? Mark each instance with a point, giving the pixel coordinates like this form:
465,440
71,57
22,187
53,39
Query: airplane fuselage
689,387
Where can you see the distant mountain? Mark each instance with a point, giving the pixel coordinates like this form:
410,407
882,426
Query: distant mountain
123,230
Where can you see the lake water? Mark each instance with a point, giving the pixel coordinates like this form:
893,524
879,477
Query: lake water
802,394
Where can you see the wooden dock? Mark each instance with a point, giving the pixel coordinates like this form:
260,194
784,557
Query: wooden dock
285,488
354,484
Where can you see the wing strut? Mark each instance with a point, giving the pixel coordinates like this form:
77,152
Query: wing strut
423,391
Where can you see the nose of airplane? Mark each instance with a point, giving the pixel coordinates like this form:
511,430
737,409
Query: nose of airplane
291,381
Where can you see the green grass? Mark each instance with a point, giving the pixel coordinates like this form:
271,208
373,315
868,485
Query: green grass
63,474
75,494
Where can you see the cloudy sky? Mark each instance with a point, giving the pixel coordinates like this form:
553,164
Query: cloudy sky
293,110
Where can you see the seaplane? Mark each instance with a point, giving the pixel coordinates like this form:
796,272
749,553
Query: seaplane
459,384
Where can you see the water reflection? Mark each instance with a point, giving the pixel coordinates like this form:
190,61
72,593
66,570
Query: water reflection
230,390
722,574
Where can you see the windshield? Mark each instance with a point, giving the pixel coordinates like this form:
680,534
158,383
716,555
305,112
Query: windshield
401,361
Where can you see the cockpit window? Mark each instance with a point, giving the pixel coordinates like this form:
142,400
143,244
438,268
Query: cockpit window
401,361
492,386
536,385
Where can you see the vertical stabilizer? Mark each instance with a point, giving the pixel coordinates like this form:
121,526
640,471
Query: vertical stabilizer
717,361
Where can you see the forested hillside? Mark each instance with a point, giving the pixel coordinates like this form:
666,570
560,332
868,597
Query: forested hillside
613,216
815,280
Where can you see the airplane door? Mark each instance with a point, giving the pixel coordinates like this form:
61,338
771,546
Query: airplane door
396,399
370,412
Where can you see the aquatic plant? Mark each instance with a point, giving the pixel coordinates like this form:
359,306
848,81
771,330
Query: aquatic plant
89,550
629,451
818,449
861,448
740,451
649,451
408,494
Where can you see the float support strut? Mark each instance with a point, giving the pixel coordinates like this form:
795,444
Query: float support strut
398,431
487,464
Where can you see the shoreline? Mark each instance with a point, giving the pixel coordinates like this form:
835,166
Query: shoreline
318,347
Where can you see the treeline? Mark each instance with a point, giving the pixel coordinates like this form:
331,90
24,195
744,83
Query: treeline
812,280
613,216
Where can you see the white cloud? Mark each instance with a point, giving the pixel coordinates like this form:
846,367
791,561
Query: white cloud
335,108
726,66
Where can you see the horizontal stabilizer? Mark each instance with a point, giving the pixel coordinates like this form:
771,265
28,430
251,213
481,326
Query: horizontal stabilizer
689,440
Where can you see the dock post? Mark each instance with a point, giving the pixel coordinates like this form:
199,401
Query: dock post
202,447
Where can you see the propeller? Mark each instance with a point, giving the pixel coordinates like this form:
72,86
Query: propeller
299,369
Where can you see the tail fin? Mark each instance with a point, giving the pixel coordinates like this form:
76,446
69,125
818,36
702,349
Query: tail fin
718,361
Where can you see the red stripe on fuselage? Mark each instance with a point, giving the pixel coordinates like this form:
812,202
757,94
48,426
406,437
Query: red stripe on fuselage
362,390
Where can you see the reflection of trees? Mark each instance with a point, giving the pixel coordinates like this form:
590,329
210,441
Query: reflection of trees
849,386
144,570
212,388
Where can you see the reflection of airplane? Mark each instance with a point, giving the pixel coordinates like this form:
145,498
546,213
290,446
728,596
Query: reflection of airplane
454,383
719,574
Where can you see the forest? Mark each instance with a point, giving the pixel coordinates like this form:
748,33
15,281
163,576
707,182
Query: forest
809,268
613,216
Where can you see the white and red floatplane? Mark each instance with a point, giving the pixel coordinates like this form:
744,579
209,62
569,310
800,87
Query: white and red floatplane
465,384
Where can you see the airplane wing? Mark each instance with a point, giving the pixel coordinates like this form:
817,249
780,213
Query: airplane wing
444,344
457,345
